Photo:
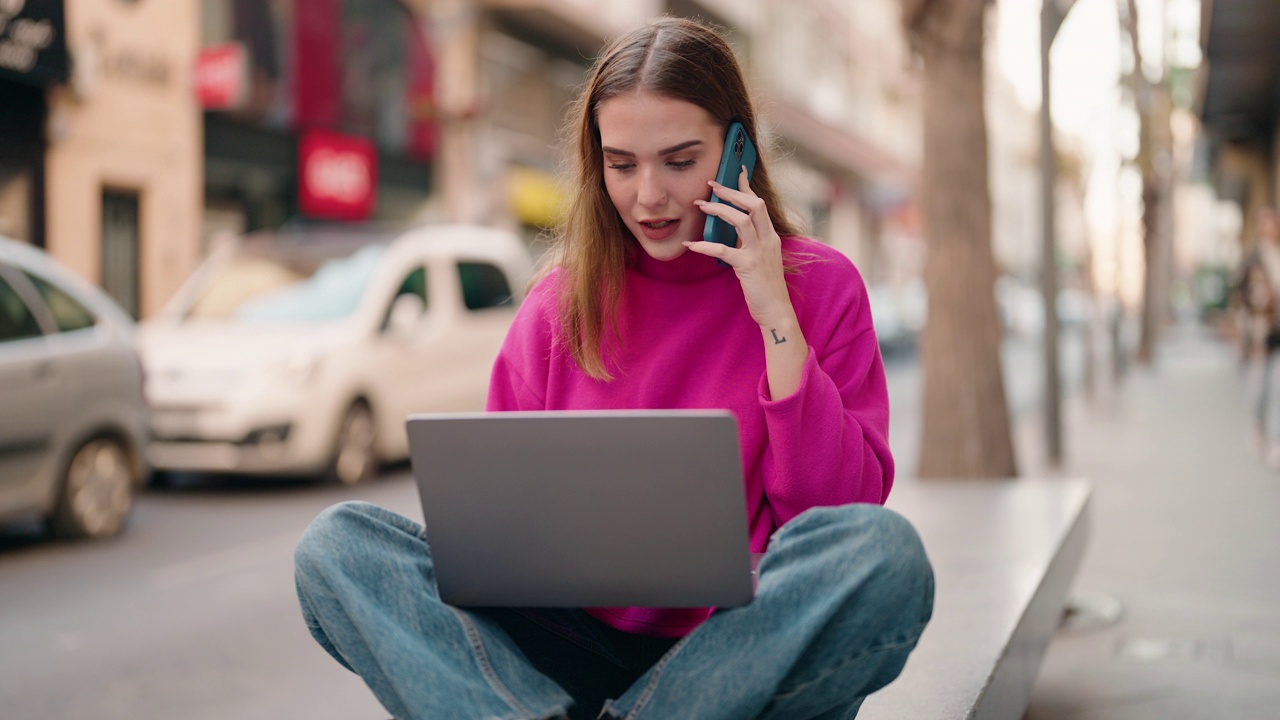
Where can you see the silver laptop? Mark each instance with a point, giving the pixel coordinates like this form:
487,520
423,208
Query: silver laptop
584,509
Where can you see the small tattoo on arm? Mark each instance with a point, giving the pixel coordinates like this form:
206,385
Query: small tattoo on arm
777,340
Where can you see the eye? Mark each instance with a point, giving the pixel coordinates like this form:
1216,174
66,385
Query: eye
620,166
682,164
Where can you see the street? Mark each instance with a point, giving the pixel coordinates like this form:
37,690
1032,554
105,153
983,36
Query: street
191,613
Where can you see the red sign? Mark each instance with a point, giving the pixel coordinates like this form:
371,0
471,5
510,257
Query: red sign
337,176
420,94
317,64
221,79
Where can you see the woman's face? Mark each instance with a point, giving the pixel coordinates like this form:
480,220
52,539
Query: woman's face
659,154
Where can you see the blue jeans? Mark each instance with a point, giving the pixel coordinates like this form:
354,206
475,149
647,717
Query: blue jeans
843,595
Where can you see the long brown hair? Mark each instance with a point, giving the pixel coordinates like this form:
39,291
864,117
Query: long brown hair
673,57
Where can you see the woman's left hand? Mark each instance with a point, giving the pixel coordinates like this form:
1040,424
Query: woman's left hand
757,260
758,263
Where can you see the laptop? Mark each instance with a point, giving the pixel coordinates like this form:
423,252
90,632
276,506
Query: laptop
584,508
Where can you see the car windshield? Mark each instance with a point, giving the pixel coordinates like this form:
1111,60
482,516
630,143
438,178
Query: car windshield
287,285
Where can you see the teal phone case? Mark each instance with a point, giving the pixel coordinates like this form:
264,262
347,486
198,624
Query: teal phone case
738,151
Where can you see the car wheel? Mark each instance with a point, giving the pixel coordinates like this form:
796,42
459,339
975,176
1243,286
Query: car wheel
355,459
97,491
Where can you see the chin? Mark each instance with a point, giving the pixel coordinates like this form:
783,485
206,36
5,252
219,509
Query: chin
665,250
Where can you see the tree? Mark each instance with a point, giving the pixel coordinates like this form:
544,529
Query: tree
966,429
1151,99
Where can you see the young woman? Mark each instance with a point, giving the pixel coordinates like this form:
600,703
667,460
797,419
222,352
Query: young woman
637,312
1257,288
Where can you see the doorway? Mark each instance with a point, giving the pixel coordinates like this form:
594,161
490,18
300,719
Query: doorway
120,245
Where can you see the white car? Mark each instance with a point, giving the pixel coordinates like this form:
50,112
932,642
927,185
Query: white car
302,353
73,422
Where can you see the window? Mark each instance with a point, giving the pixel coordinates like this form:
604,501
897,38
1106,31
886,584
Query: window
16,320
66,310
415,283
484,286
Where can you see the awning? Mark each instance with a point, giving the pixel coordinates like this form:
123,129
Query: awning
33,43
1239,94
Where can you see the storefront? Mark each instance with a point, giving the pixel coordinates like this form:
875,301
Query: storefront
33,57
314,111
122,166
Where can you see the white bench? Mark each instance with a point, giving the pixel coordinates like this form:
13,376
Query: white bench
1005,553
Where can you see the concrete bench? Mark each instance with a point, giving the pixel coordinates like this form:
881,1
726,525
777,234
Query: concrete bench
1005,553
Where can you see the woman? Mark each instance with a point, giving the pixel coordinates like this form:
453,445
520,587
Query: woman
1260,330
637,312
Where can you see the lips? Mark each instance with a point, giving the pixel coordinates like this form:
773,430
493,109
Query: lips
658,229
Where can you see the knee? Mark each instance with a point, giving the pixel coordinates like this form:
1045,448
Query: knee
329,537
908,575
877,554
902,576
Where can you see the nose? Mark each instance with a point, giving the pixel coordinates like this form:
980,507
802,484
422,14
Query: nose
652,192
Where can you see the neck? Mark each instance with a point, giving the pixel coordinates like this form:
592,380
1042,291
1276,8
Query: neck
688,267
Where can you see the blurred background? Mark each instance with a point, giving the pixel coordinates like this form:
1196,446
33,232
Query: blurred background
143,143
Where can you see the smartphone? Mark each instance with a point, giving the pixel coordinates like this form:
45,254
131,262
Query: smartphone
738,151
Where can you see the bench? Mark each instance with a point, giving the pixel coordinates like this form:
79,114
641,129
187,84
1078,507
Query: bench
1005,553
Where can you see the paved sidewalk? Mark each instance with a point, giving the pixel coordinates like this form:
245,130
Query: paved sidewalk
1186,537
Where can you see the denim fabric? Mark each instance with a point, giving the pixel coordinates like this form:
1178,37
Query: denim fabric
592,661
843,595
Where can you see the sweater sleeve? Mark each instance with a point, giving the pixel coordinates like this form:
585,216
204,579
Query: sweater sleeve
828,441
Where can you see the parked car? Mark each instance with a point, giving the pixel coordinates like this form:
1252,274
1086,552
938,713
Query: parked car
302,353
73,420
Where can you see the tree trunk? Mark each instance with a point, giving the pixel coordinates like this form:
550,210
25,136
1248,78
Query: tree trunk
966,429
1154,158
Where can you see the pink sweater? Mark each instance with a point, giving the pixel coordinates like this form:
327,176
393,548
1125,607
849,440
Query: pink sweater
689,342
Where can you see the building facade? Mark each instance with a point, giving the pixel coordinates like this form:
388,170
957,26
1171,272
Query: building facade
100,164
184,121
33,58
839,105
123,157
314,110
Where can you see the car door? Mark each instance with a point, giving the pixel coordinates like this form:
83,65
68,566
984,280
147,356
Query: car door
394,369
489,305
482,308
31,397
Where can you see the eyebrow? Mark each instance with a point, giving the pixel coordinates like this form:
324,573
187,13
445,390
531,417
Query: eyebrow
665,151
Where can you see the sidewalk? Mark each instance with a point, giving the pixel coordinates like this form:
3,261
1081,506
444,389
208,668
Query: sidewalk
1186,537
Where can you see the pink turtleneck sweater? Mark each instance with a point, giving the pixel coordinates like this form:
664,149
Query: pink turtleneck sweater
689,342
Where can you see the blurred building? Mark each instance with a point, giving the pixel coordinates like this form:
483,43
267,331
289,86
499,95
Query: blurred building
103,167
33,58
1238,102
314,110
184,121
834,81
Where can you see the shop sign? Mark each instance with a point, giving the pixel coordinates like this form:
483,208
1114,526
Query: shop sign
33,45
221,79
337,176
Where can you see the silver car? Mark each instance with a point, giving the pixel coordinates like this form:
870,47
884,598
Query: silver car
73,420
